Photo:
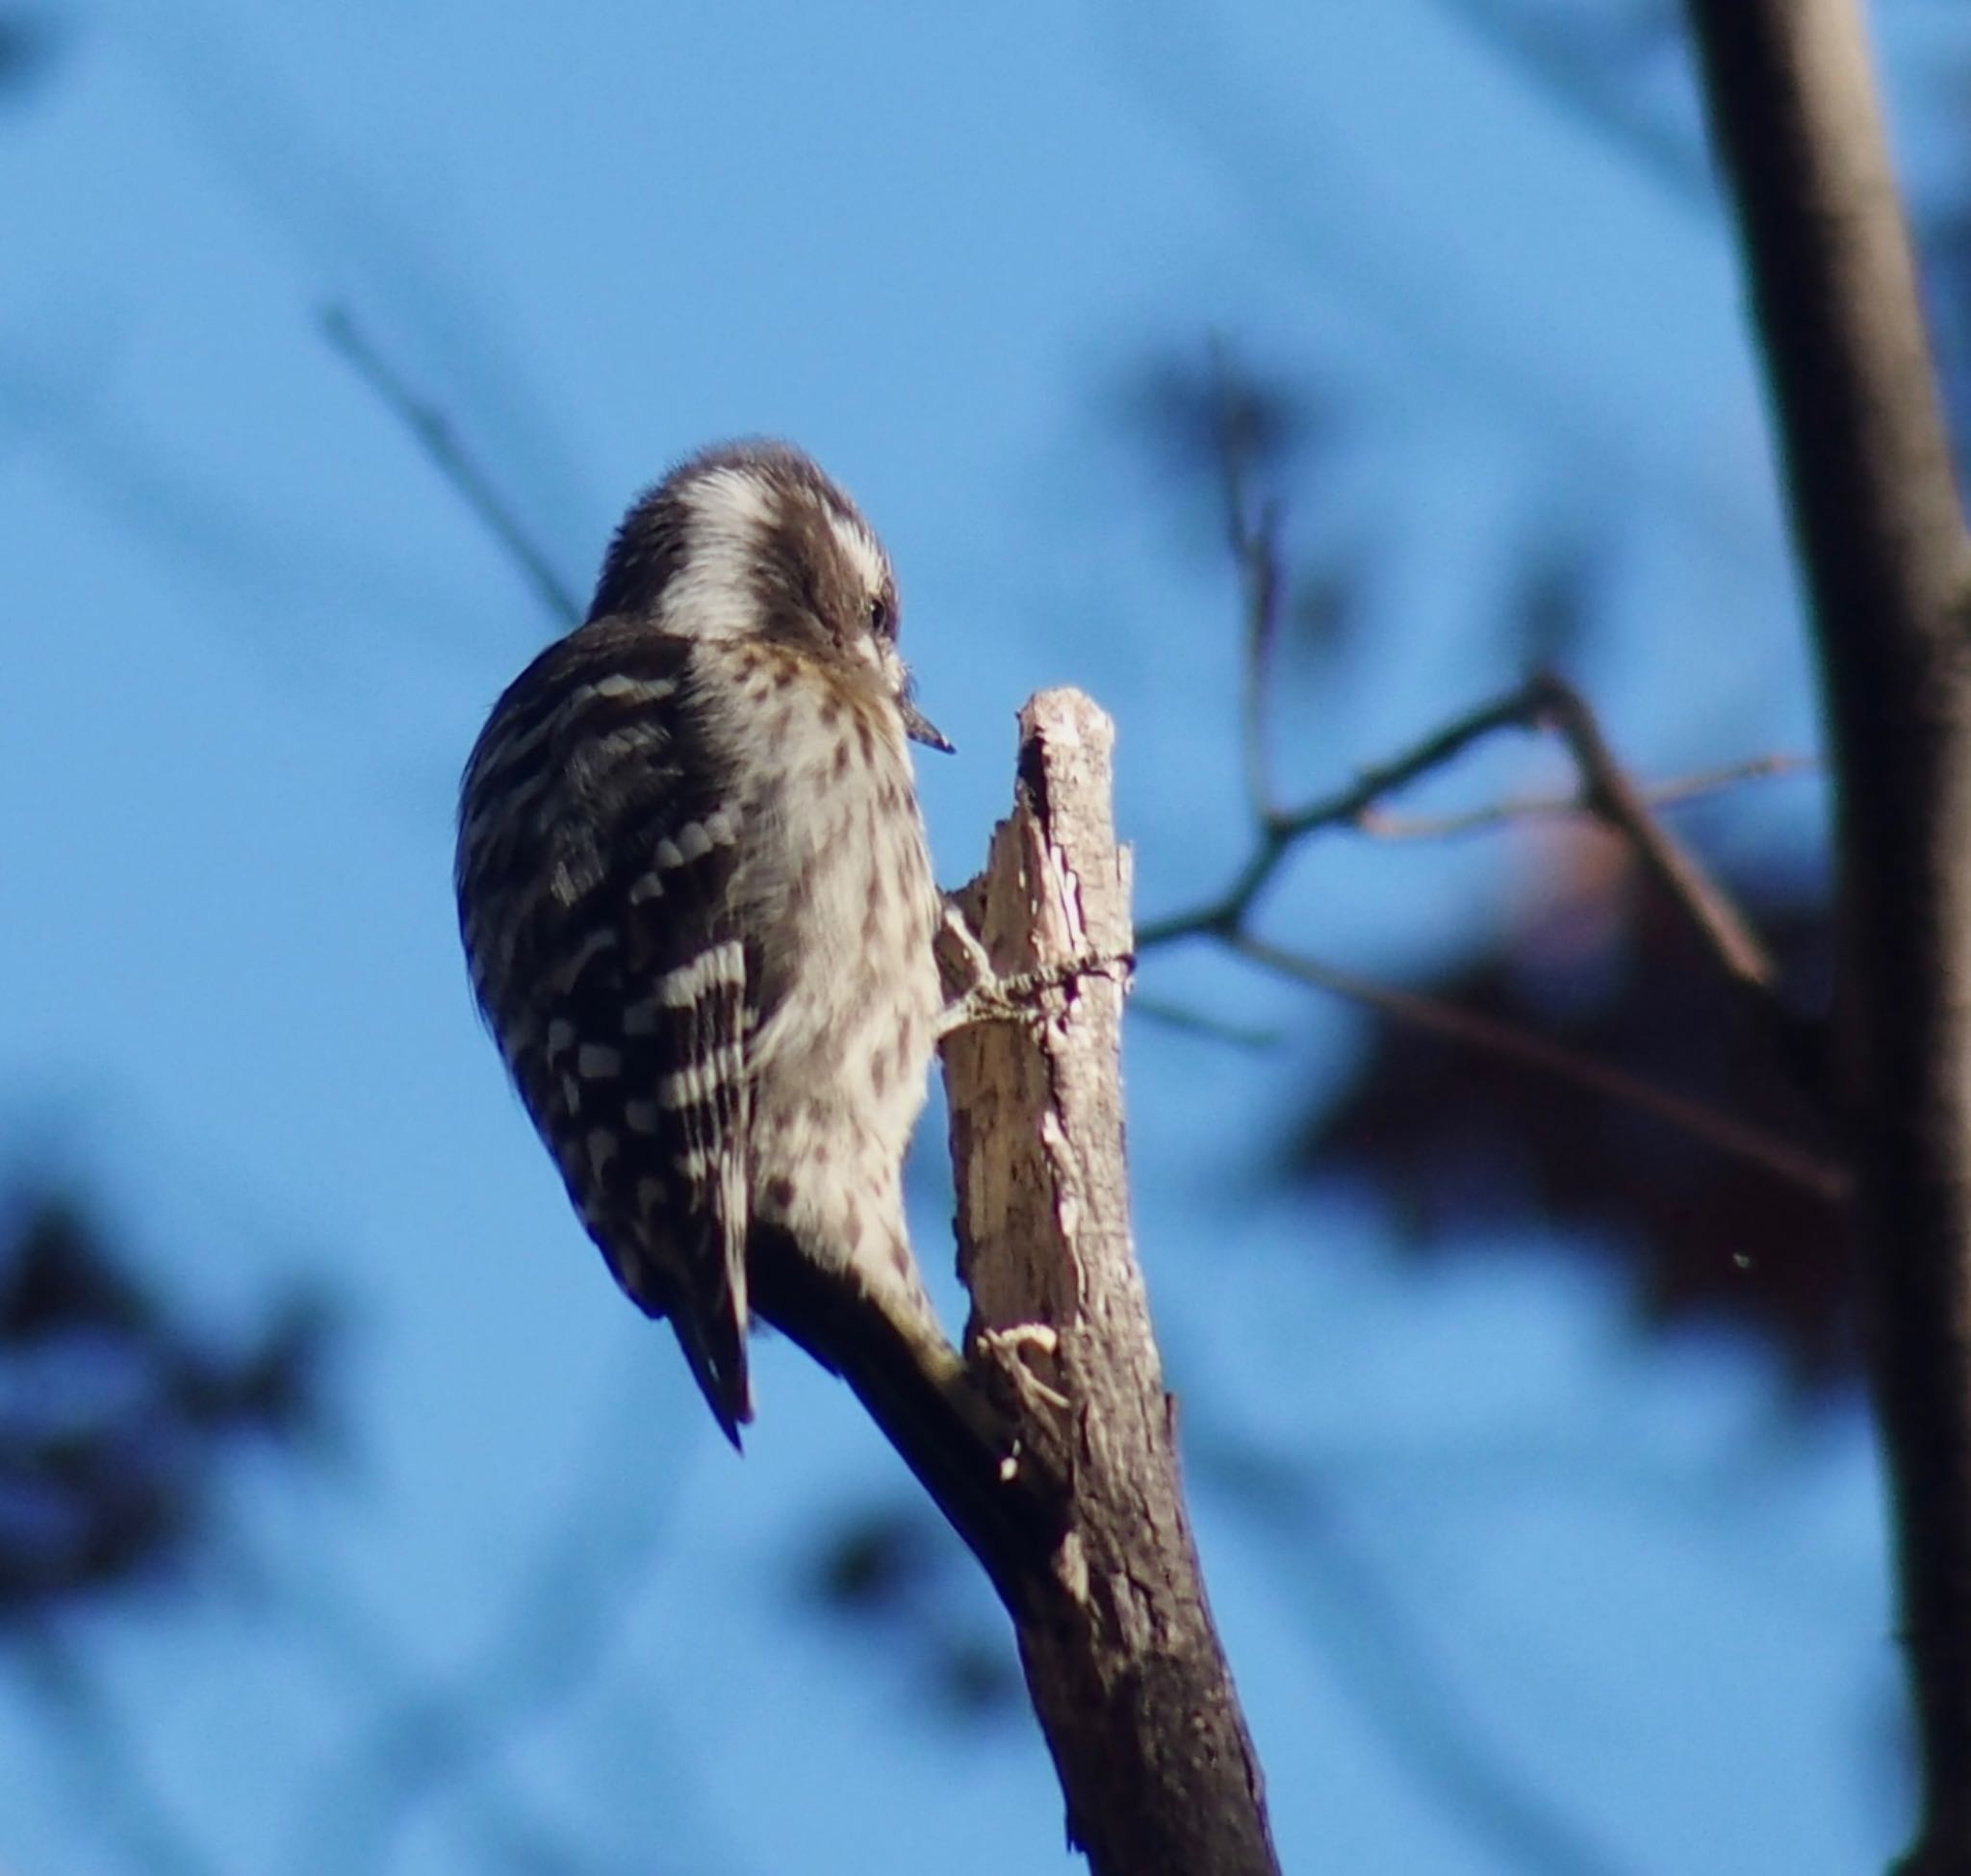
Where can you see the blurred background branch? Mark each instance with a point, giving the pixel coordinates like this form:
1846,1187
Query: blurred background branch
437,436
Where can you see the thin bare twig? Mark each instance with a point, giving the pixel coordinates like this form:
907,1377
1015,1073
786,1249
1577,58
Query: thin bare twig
1260,555
434,432
1280,832
1255,548
1717,1129
1544,701
1381,825
1724,929
1198,1022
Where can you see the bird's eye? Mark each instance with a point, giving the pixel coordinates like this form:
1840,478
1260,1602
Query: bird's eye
883,616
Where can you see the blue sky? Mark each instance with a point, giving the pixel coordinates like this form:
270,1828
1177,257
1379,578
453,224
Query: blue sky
251,635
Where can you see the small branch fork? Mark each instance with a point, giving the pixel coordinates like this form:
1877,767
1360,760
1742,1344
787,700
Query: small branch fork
1544,703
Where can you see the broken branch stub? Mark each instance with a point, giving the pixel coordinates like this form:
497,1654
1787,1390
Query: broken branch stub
1116,1633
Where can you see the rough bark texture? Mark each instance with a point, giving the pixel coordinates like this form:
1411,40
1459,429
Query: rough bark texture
1879,527
1117,1638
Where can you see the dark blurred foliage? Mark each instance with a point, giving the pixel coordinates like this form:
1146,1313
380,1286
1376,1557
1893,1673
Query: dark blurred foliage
1223,437
894,1578
30,38
1188,409
118,1416
1466,1146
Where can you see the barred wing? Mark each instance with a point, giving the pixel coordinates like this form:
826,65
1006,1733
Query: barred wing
595,885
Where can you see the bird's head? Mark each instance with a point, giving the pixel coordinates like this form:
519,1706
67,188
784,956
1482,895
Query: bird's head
755,541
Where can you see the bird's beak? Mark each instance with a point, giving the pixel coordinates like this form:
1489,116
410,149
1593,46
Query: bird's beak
919,728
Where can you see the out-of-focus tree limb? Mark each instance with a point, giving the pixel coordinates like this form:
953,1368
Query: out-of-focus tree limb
1880,531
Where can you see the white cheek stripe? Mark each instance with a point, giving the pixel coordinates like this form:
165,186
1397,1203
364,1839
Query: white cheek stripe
730,500
863,554
710,596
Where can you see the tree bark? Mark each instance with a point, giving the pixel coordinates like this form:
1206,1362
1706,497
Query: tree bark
1880,531
1115,1632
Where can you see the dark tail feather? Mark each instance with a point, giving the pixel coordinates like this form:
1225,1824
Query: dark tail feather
720,1373
710,1326
916,1388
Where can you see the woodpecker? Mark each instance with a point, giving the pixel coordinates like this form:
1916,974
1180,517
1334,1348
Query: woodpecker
697,910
